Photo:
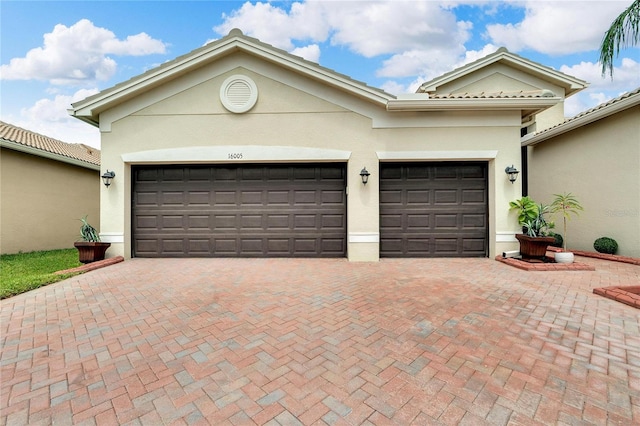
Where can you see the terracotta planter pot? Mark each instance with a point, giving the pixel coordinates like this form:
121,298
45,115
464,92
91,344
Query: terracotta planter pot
91,251
534,247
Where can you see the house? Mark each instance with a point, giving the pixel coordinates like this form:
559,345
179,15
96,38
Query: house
46,186
595,156
241,149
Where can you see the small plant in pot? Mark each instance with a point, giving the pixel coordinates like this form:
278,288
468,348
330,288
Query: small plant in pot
566,205
90,248
535,228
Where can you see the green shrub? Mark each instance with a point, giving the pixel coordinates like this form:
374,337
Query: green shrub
559,240
605,245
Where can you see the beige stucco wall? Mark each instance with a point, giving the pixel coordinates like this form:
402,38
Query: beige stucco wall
600,164
184,121
42,200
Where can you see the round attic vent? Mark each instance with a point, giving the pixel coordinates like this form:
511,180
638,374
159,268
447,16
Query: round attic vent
238,93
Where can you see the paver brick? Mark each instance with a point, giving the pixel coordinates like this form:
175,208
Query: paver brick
301,341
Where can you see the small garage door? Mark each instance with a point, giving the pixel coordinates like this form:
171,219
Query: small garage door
239,211
433,210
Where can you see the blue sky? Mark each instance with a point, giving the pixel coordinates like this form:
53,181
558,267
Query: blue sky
56,52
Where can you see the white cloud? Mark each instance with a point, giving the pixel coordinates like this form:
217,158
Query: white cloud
49,117
558,27
601,88
276,26
310,53
624,76
419,34
78,54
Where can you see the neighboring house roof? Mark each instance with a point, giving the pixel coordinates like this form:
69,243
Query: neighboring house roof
621,103
23,140
502,55
89,109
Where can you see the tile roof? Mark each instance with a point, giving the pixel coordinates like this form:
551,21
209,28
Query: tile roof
495,95
27,138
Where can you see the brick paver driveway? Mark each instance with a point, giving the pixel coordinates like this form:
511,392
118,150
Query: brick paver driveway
290,342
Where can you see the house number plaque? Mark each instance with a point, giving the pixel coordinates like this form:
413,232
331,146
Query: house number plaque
235,156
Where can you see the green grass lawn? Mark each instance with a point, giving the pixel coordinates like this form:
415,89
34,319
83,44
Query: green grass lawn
25,271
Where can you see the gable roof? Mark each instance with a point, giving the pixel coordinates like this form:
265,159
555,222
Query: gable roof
89,109
502,55
23,140
621,103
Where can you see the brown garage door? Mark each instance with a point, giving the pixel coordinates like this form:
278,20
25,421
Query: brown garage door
239,211
433,210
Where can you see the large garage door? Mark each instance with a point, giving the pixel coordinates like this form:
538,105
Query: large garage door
433,210
239,211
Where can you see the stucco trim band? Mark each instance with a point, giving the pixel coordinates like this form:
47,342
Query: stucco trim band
112,237
506,237
360,237
235,154
436,155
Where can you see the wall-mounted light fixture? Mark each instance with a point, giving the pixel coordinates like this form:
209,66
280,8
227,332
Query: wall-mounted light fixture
107,176
364,174
512,172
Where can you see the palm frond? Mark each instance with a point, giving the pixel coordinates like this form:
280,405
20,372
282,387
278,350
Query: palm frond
624,32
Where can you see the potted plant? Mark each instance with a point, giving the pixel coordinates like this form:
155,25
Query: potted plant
565,204
534,238
90,248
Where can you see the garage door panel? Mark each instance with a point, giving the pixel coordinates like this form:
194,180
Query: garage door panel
278,221
252,211
418,197
277,198
333,221
228,198
332,197
433,210
304,197
473,221
445,196
172,222
474,196
198,198
150,222
199,246
446,221
148,198
392,196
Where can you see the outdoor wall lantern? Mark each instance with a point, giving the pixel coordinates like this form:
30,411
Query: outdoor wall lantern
364,174
512,172
107,176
